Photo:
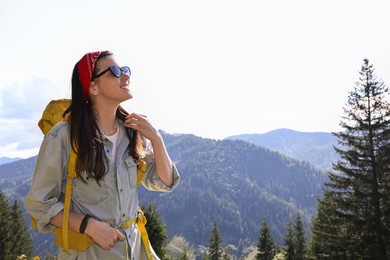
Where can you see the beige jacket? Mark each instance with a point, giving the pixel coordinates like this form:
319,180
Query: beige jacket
114,201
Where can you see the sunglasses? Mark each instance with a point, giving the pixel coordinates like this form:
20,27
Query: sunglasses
116,71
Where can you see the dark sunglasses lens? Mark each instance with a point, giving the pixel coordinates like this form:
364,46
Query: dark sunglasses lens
126,70
116,71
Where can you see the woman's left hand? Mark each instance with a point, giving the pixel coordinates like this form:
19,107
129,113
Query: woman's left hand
142,124
163,162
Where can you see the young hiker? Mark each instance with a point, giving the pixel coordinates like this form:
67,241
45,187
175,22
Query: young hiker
110,144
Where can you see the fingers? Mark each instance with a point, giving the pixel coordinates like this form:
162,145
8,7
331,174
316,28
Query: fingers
120,236
105,235
136,116
135,120
141,123
108,237
112,244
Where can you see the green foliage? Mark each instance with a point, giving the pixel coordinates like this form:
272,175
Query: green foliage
356,199
184,255
300,239
289,241
15,180
157,231
14,237
21,240
265,243
225,255
215,240
279,256
205,256
326,232
5,230
295,240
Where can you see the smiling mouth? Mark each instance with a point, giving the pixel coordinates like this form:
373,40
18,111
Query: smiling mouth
125,87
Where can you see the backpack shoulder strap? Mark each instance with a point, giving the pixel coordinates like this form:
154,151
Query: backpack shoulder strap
140,171
68,195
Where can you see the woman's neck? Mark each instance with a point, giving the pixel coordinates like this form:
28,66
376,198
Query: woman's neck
106,120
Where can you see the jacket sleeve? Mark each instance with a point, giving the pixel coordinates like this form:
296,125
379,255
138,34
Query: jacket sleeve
44,199
151,180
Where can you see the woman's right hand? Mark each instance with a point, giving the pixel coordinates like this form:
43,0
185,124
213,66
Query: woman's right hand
103,233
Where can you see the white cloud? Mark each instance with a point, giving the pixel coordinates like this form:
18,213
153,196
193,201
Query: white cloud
19,137
13,151
22,103
25,99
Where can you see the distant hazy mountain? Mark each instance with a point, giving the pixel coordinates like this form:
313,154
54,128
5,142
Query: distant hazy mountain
232,182
313,147
4,160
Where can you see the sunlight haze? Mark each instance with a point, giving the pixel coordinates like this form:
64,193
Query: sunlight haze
209,68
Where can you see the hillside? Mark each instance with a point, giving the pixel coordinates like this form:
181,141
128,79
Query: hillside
15,180
313,147
4,160
229,181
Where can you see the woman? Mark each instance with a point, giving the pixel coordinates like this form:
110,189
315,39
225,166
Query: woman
110,143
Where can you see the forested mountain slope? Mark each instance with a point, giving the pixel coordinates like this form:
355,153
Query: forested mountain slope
229,181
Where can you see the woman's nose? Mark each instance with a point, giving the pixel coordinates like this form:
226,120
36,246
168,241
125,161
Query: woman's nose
125,76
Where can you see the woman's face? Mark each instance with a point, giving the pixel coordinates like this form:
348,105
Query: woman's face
108,86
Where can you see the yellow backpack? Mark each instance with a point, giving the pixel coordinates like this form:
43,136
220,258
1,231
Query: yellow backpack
65,238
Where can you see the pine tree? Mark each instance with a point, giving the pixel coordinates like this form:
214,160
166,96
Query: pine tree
215,240
21,240
358,189
5,229
325,232
299,239
225,255
157,231
295,240
265,243
289,241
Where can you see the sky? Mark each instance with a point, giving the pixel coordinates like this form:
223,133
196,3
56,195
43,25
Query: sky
212,68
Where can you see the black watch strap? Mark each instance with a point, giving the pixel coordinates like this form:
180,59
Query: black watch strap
84,223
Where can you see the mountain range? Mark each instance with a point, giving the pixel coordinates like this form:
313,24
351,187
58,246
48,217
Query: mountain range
313,147
232,182
4,160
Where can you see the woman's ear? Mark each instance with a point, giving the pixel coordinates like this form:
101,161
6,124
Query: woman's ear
93,89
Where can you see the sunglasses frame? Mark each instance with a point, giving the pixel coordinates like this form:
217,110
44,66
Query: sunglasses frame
111,69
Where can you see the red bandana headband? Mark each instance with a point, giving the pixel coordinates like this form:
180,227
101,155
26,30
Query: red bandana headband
86,67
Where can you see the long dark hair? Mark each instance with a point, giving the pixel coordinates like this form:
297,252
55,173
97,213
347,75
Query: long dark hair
85,135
